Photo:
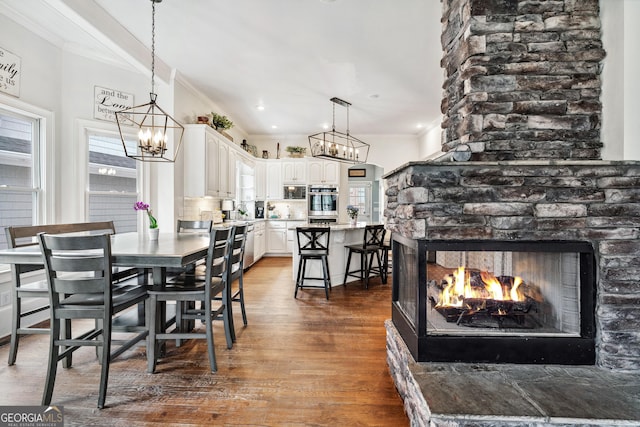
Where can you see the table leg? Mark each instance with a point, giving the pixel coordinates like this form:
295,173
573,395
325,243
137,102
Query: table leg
158,278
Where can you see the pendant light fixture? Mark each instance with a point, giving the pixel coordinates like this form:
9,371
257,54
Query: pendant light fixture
152,123
334,145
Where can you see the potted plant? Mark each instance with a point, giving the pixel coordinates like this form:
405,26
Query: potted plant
296,151
220,122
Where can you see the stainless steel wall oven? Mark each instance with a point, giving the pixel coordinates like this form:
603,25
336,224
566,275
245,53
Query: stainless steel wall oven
323,202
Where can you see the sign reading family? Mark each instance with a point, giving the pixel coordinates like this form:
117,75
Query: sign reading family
9,73
108,101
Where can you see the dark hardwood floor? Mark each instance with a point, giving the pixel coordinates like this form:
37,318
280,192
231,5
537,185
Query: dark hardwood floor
300,362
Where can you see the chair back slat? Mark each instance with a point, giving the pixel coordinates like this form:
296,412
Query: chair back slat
77,265
374,235
218,253
312,239
238,241
26,235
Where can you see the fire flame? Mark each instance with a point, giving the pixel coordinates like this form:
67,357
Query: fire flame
459,288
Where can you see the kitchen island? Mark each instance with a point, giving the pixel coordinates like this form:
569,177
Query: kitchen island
339,236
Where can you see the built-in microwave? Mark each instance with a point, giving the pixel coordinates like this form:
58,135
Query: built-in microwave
295,192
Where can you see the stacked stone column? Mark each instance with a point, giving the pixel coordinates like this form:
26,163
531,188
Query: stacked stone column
522,78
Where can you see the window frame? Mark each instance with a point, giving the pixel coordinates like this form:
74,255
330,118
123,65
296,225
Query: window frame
87,127
43,162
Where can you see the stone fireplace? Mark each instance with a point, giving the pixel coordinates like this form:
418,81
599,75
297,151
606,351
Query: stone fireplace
521,97
520,195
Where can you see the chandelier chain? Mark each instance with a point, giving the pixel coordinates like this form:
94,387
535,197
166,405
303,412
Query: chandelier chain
153,46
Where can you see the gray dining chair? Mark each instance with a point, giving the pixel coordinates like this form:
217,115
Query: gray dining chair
185,290
189,226
80,286
236,272
25,291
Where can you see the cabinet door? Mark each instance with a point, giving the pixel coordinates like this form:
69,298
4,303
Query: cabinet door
294,172
331,172
223,164
261,180
315,169
233,169
274,181
259,245
213,169
291,234
276,240
201,156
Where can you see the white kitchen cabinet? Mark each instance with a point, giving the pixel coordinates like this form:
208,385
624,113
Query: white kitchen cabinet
277,237
260,240
274,180
323,172
232,173
202,171
291,234
261,180
223,171
294,172
227,160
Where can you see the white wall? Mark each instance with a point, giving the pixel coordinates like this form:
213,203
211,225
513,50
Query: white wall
79,77
631,84
620,87
430,141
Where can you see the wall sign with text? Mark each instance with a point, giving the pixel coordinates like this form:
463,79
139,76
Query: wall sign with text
10,72
108,101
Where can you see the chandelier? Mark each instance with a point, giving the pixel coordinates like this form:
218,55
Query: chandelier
334,145
152,123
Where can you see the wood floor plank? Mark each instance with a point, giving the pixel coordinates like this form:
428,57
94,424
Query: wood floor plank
300,362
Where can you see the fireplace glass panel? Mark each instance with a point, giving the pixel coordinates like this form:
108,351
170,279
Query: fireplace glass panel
498,293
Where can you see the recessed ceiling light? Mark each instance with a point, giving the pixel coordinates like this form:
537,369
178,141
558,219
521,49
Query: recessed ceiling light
274,126
374,96
419,126
325,126
260,107
327,1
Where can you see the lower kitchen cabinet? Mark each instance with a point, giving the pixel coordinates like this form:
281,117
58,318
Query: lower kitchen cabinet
291,234
260,240
277,237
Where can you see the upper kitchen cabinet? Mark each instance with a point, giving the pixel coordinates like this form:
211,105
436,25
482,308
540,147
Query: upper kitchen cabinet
261,180
201,167
294,172
323,172
274,180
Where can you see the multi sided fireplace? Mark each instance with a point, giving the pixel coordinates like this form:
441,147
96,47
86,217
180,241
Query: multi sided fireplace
495,301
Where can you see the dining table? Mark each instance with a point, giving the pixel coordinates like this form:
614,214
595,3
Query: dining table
135,250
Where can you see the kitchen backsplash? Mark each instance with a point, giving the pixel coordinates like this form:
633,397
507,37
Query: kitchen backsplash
200,208
290,209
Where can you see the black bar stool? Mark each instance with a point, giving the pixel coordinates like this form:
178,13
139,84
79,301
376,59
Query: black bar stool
372,246
313,244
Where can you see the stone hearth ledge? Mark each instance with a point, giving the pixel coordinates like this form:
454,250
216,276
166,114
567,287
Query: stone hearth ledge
507,395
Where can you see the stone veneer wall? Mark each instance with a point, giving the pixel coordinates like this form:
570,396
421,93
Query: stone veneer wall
522,78
594,201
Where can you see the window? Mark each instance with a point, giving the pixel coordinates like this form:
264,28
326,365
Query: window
112,182
20,183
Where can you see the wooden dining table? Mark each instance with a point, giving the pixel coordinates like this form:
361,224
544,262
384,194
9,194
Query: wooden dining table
135,250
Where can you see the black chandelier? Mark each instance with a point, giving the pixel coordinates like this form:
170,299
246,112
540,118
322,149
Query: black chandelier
334,145
152,122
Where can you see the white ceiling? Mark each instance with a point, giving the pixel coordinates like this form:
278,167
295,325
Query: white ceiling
291,56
